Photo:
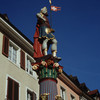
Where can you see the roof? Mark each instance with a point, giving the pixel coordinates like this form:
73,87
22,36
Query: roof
75,80
94,93
82,86
6,19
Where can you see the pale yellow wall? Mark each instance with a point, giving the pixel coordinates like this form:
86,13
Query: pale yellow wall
7,68
1,37
67,90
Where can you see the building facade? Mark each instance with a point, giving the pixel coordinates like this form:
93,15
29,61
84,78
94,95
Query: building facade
19,81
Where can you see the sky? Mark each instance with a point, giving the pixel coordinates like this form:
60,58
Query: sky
77,30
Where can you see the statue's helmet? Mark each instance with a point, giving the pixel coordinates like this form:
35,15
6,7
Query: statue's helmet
44,10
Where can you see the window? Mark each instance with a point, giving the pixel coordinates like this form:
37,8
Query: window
72,97
12,54
62,93
31,95
12,90
29,67
11,50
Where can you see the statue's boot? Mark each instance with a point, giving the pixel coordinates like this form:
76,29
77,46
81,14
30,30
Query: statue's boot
54,53
45,52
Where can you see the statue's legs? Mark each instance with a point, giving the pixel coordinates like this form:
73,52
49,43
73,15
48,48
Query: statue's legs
53,47
44,47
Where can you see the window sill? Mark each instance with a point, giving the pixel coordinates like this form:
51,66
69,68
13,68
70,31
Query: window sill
32,76
14,63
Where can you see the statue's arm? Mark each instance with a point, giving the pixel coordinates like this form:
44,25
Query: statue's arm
40,16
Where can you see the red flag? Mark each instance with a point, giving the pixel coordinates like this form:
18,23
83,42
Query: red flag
54,8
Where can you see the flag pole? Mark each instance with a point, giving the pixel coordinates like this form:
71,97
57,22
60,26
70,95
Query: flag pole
50,13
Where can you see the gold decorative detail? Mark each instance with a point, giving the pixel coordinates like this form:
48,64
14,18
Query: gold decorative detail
50,72
44,96
47,30
43,63
58,97
41,14
35,67
47,37
56,64
50,1
60,70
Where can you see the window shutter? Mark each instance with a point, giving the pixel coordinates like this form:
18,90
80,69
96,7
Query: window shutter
34,96
9,89
16,91
5,47
22,60
12,90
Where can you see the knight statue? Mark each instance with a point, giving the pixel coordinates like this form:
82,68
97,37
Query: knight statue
45,33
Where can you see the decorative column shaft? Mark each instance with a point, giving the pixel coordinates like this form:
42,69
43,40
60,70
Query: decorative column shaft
49,86
47,69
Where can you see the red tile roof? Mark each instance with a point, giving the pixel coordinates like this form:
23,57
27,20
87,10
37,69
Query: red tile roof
93,92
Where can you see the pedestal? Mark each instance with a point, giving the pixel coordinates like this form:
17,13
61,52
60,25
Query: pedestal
48,69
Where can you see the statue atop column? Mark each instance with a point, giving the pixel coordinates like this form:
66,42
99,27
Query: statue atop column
46,66
45,33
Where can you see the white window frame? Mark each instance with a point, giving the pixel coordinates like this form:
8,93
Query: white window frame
26,67
64,90
27,88
8,76
17,53
71,95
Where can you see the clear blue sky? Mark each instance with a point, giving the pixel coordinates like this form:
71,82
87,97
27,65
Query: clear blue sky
77,28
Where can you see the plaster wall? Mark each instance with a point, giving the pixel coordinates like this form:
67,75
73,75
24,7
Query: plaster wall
68,91
9,69
1,37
